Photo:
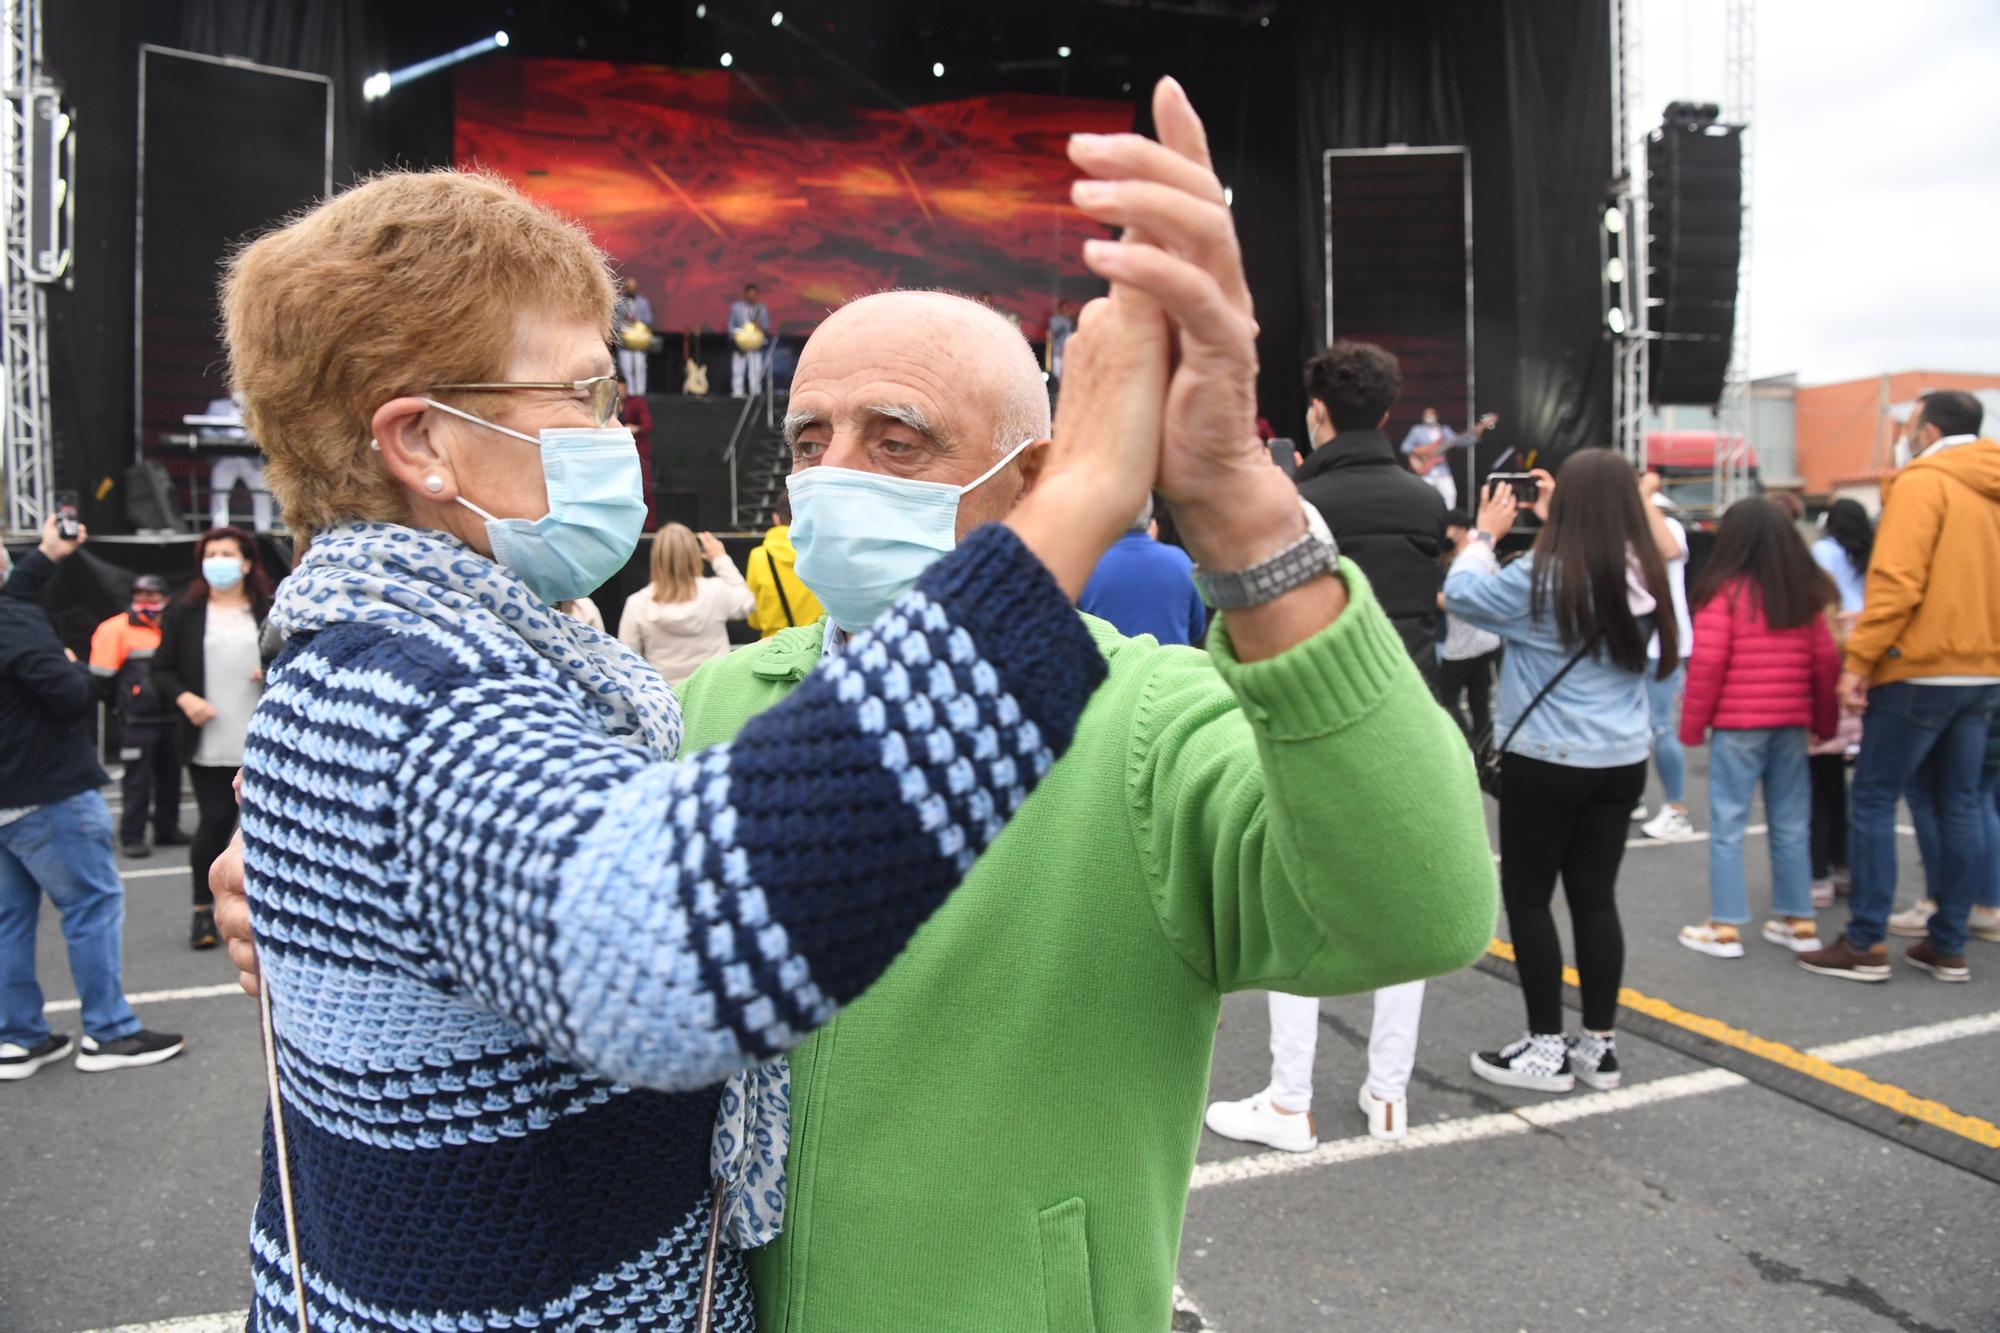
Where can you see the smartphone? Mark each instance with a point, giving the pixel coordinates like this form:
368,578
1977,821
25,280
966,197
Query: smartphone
1527,486
66,524
1285,454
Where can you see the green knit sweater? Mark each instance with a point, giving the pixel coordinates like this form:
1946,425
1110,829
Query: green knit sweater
998,1135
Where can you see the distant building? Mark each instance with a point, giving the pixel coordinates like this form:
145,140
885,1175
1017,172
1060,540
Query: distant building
1847,432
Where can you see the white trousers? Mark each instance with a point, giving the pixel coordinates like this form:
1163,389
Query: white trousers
1392,1044
1445,484
223,477
748,365
632,365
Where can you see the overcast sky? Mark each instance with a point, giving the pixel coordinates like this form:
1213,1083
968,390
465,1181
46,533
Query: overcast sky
1875,223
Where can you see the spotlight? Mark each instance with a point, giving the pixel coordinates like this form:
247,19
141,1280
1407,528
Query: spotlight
1614,319
1063,51
1125,87
1614,220
727,60
777,18
1264,22
937,70
1228,197
1614,269
380,85
701,11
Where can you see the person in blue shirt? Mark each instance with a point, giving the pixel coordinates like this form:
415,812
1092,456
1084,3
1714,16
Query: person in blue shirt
1144,586
1846,539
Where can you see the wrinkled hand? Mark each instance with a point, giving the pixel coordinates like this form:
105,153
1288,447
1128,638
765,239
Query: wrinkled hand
1853,692
1497,511
56,546
1108,419
711,547
198,710
1180,247
232,912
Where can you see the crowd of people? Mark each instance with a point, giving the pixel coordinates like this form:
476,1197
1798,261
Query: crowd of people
559,935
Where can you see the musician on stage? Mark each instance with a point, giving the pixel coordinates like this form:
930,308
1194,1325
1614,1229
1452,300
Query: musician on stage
1428,443
752,351
631,309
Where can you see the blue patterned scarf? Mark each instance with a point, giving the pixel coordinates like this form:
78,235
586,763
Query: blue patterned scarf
409,580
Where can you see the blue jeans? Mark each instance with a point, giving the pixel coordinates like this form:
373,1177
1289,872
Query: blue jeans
1933,736
62,849
1923,815
1663,710
1737,762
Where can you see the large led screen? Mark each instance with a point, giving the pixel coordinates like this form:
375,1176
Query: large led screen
697,182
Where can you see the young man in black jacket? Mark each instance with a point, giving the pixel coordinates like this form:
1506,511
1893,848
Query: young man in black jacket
55,838
1387,519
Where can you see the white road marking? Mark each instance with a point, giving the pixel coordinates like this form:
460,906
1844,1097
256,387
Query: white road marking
155,873
1751,830
1521,1119
229,1321
1501,1124
1908,1039
155,997
1184,1304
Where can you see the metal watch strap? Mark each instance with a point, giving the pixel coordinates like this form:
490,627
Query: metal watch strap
1304,560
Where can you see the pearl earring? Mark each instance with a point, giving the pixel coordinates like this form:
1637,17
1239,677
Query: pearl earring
433,483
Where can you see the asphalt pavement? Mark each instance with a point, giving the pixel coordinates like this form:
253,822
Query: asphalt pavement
1703,1195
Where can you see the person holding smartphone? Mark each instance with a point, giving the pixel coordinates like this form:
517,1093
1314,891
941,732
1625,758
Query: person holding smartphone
1575,614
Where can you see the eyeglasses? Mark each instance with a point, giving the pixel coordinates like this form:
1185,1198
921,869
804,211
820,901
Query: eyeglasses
606,399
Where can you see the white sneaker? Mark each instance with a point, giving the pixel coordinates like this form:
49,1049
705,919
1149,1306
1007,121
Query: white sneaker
1914,921
1639,813
1798,936
1387,1121
1670,825
1255,1120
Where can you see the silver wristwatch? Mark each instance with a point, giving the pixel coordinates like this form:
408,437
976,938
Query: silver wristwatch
1306,559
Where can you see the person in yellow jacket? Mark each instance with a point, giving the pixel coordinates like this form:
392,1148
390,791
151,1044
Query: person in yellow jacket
1924,661
782,601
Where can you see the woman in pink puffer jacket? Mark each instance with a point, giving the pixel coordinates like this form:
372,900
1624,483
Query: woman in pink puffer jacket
1761,675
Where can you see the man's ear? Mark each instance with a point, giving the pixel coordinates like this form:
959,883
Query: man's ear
414,456
1033,459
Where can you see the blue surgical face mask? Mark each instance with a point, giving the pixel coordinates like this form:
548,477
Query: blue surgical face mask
221,572
597,506
863,539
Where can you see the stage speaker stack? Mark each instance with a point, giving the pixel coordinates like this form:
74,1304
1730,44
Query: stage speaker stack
1694,196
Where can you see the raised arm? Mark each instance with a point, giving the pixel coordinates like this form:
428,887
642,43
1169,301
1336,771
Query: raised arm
1311,822
666,924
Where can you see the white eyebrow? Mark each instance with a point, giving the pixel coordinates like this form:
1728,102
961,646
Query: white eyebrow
905,415
795,424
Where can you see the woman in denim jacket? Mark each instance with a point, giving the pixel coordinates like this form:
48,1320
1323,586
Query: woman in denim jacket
1577,610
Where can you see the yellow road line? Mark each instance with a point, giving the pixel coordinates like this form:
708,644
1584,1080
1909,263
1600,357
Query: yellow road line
1937,1114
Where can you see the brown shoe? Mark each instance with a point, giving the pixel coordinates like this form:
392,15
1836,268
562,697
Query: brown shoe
1841,959
1945,967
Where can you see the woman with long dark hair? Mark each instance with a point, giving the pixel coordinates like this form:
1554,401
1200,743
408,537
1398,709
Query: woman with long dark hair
1762,671
209,667
1846,540
1576,614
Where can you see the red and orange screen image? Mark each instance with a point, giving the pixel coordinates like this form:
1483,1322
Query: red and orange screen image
698,182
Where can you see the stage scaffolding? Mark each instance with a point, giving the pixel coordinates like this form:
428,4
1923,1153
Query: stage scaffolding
25,431
1629,388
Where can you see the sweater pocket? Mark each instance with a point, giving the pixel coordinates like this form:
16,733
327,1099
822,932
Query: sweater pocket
1065,1268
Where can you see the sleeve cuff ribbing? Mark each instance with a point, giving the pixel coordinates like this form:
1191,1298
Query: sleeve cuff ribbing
1331,680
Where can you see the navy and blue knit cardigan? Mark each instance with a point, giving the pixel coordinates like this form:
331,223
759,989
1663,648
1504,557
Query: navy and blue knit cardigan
512,957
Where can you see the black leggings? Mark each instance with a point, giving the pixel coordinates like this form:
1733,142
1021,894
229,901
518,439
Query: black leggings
1829,814
1473,677
1557,820
215,813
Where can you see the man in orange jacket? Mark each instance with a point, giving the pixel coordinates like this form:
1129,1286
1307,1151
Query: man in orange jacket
121,659
1925,662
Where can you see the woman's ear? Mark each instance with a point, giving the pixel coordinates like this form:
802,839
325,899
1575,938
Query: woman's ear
411,452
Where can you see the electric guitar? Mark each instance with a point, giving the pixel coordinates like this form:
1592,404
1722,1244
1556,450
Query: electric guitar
695,376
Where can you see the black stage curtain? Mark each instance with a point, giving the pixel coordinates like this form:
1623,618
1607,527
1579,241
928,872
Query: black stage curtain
1526,88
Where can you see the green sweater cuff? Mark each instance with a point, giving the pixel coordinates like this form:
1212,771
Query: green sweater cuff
1328,682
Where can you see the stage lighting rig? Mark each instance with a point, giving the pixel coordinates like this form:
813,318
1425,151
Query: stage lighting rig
379,85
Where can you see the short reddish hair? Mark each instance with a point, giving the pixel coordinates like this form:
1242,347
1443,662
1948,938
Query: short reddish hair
408,280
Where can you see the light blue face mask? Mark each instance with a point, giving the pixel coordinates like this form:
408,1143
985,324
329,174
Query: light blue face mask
864,539
597,506
221,572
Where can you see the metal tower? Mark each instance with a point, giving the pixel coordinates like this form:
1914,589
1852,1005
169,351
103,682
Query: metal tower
1733,419
1625,239
24,398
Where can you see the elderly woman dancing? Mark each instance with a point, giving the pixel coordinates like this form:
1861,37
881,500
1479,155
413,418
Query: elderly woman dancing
527,974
